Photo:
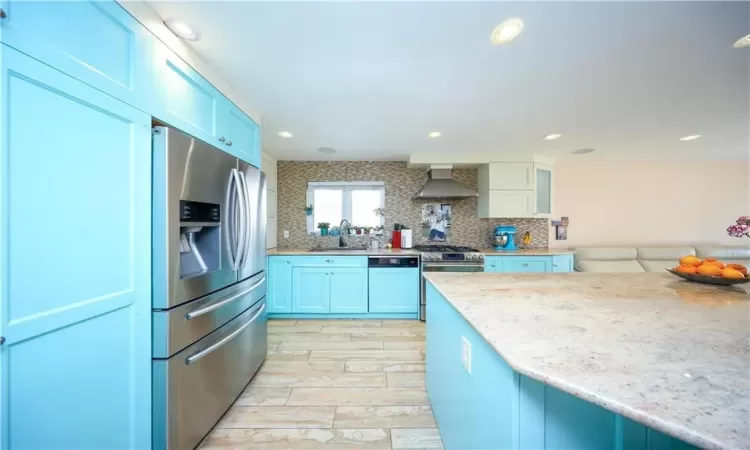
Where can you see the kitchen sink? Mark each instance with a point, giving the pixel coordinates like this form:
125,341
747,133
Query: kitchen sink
338,249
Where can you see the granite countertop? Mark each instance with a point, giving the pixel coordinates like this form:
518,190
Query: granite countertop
379,252
527,252
668,353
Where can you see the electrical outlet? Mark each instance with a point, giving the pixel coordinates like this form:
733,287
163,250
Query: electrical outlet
286,234
466,353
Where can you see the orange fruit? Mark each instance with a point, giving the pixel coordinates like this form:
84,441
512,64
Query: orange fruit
682,268
709,269
732,273
714,262
690,260
738,267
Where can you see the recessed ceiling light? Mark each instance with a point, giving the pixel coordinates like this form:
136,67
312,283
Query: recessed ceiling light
434,134
182,30
692,137
552,137
506,31
583,151
742,42
327,150
285,134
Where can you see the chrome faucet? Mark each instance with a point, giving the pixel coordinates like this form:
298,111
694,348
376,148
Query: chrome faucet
342,243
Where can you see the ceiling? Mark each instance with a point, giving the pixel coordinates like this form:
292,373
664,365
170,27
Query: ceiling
371,79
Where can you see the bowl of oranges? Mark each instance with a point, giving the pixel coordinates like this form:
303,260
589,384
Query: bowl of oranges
710,271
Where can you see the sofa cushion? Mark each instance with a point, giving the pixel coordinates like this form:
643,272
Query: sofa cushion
655,265
664,253
591,265
738,254
606,253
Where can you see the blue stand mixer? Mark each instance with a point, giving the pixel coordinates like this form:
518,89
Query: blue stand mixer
504,238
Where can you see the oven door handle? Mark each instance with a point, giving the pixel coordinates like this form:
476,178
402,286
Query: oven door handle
426,267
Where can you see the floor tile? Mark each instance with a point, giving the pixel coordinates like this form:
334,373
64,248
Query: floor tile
397,355
403,345
384,366
383,417
319,379
401,323
341,323
331,345
288,355
416,438
297,329
390,336
299,439
309,337
278,417
281,323
405,380
358,396
257,396
357,330
280,366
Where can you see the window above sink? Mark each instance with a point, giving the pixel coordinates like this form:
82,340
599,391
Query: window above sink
355,201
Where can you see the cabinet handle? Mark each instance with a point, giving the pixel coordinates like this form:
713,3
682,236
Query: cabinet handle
492,265
2,14
229,143
554,265
525,264
329,260
2,338
221,139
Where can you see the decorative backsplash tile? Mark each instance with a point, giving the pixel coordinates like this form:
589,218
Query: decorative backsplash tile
401,184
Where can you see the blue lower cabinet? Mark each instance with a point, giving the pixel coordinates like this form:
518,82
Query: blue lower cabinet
348,290
562,263
394,290
311,290
480,402
279,285
528,264
493,264
76,302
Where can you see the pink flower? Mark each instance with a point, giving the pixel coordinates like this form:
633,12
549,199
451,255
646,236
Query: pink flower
744,220
739,230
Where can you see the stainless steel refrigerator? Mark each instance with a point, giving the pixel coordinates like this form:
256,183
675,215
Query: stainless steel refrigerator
209,284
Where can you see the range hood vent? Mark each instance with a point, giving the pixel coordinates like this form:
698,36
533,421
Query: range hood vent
440,185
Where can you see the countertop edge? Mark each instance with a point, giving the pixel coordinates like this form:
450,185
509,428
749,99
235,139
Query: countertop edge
676,430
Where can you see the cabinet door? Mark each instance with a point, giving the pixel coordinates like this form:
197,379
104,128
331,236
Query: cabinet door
511,204
530,265
562,263
311,290
348,290
279,285
493,264
186,100
96,42
241,133
543,188
394,290
75,237
511,176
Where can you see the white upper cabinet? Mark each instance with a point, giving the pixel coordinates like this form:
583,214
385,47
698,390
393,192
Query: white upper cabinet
515,190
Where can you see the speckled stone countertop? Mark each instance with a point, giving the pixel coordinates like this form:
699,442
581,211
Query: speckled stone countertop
527,252
379,252
668,353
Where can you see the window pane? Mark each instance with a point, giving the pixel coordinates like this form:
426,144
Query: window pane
364,204
327,206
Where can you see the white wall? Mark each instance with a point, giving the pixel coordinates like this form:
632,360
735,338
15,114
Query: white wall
625,203
269,168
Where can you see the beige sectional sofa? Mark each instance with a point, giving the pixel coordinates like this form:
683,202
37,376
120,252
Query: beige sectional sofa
652,258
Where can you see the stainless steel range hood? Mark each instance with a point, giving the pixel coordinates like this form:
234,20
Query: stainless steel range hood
440,185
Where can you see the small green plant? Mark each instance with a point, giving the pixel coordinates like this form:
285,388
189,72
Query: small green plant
309,210
322,225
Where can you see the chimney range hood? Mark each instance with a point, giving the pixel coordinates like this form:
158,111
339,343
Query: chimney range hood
439,185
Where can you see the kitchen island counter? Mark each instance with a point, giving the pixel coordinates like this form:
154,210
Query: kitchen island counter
663,352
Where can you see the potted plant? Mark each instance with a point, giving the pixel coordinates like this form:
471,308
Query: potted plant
367,230
324,228
308,210
358,229
379,230
335,231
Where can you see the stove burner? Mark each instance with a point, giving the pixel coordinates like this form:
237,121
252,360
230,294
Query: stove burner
443,248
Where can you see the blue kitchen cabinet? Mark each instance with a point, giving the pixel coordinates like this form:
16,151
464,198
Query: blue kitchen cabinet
75,368
527,264
311,290
279,285
562,263
394,290
348,290
493,263
96,42
241,134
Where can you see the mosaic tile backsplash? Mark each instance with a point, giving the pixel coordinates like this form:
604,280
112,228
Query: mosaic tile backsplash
401,184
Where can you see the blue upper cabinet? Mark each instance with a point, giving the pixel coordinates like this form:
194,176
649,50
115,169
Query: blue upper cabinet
348,290
75,218
186,100
279,285
394,290
240,134
311,290
98,43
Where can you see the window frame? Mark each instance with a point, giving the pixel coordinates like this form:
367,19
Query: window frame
346,199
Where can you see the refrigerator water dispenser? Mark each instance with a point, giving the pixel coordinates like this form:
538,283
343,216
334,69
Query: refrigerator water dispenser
200,238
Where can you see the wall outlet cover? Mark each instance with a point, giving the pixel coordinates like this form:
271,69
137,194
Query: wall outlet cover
286,234
466,354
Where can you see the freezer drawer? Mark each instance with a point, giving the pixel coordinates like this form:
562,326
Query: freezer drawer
195,387
179,327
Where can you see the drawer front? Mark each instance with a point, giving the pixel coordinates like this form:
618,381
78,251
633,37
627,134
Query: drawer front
493,264
526,265
179,327
332,260
196,386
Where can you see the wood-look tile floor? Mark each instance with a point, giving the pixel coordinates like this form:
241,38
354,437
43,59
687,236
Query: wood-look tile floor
335,384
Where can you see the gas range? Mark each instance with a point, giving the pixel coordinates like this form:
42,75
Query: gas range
450,253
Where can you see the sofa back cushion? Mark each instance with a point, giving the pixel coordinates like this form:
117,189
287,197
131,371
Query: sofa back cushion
737,254
607,259
657,259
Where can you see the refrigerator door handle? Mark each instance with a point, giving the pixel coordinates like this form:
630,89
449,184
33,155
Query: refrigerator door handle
209,308
229,219
242,203
248,221
196,356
